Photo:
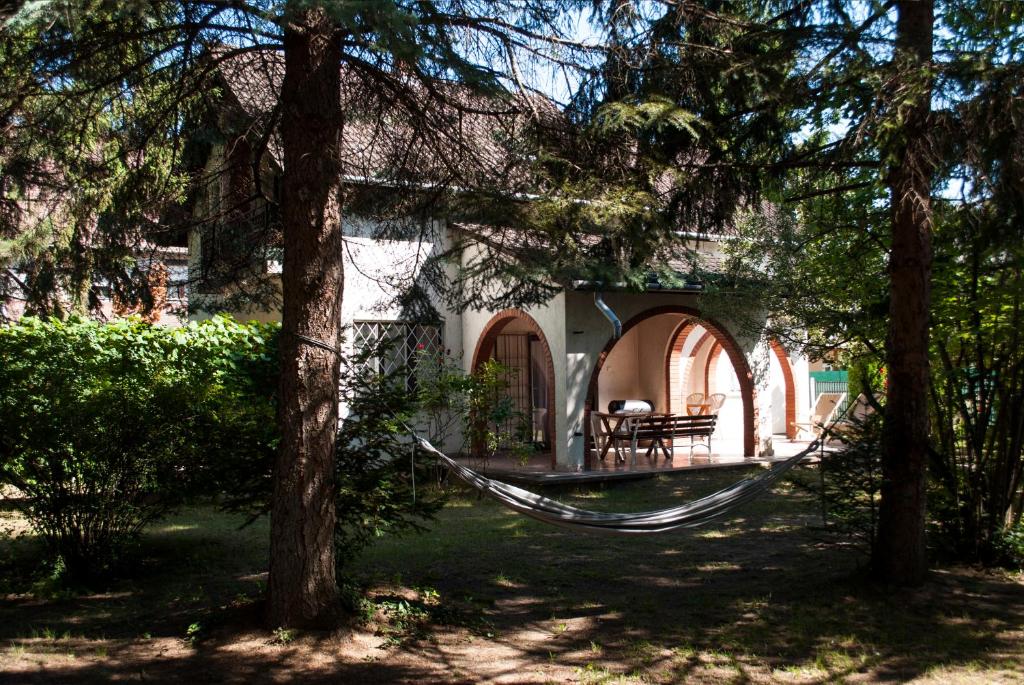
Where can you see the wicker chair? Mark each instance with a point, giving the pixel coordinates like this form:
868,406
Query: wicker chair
716,400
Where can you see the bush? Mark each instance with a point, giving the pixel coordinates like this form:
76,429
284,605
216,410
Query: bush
109,426
383,485
376,472
492,422
851,481
377,466
477,405
1010,547
850,488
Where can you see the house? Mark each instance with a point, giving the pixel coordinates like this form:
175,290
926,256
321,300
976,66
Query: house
45,213
570,360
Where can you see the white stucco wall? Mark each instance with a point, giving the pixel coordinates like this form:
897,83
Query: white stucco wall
378,271
728,437
635,368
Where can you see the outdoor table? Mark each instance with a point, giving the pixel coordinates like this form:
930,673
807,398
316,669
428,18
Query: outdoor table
610,427
698,408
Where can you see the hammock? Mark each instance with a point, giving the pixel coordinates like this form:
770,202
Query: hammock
689,515
547,510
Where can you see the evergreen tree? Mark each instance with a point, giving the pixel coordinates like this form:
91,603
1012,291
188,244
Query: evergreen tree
98,61
848,119
84,170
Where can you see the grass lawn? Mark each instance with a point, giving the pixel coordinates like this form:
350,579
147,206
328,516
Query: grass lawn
489,596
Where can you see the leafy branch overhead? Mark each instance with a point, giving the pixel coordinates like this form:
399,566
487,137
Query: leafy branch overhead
132,95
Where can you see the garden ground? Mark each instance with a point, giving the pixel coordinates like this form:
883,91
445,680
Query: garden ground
489,596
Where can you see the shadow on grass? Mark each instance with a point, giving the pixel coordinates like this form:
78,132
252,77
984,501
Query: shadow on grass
754,597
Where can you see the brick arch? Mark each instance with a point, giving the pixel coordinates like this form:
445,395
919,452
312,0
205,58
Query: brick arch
790,386
729,345
695,350
485,348
673,373
711,367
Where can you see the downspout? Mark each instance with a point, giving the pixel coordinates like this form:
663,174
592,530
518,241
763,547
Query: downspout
608,314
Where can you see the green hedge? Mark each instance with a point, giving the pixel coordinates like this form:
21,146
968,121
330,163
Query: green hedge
105,427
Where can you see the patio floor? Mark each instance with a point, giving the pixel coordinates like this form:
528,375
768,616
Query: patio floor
539,471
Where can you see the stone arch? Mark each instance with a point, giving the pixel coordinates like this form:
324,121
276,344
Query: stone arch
485,348
729,346
790,386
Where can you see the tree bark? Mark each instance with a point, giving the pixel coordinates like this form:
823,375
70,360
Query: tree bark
302,591
900,554
82,262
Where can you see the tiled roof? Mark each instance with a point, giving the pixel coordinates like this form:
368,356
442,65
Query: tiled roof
688,258
460,138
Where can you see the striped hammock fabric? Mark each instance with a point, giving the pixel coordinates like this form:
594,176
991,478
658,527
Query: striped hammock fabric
689,515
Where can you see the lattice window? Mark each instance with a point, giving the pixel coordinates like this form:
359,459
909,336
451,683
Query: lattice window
396,346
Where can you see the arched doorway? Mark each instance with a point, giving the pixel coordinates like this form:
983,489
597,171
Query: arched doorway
690,318
514,338
675,362
677,357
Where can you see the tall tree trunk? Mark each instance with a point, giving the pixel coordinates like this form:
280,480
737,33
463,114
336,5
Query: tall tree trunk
82,263
301,588
900,554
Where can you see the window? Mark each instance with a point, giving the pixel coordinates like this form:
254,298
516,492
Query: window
239,245
396,345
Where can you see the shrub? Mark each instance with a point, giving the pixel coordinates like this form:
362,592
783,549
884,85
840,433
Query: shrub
108,426
1010,547
850,488
377,466
376,474
384,485
478,405
851,481
977,383
442,397
492,422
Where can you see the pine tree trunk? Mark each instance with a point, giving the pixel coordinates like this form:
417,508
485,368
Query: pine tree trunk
301,588
900,554
82,264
